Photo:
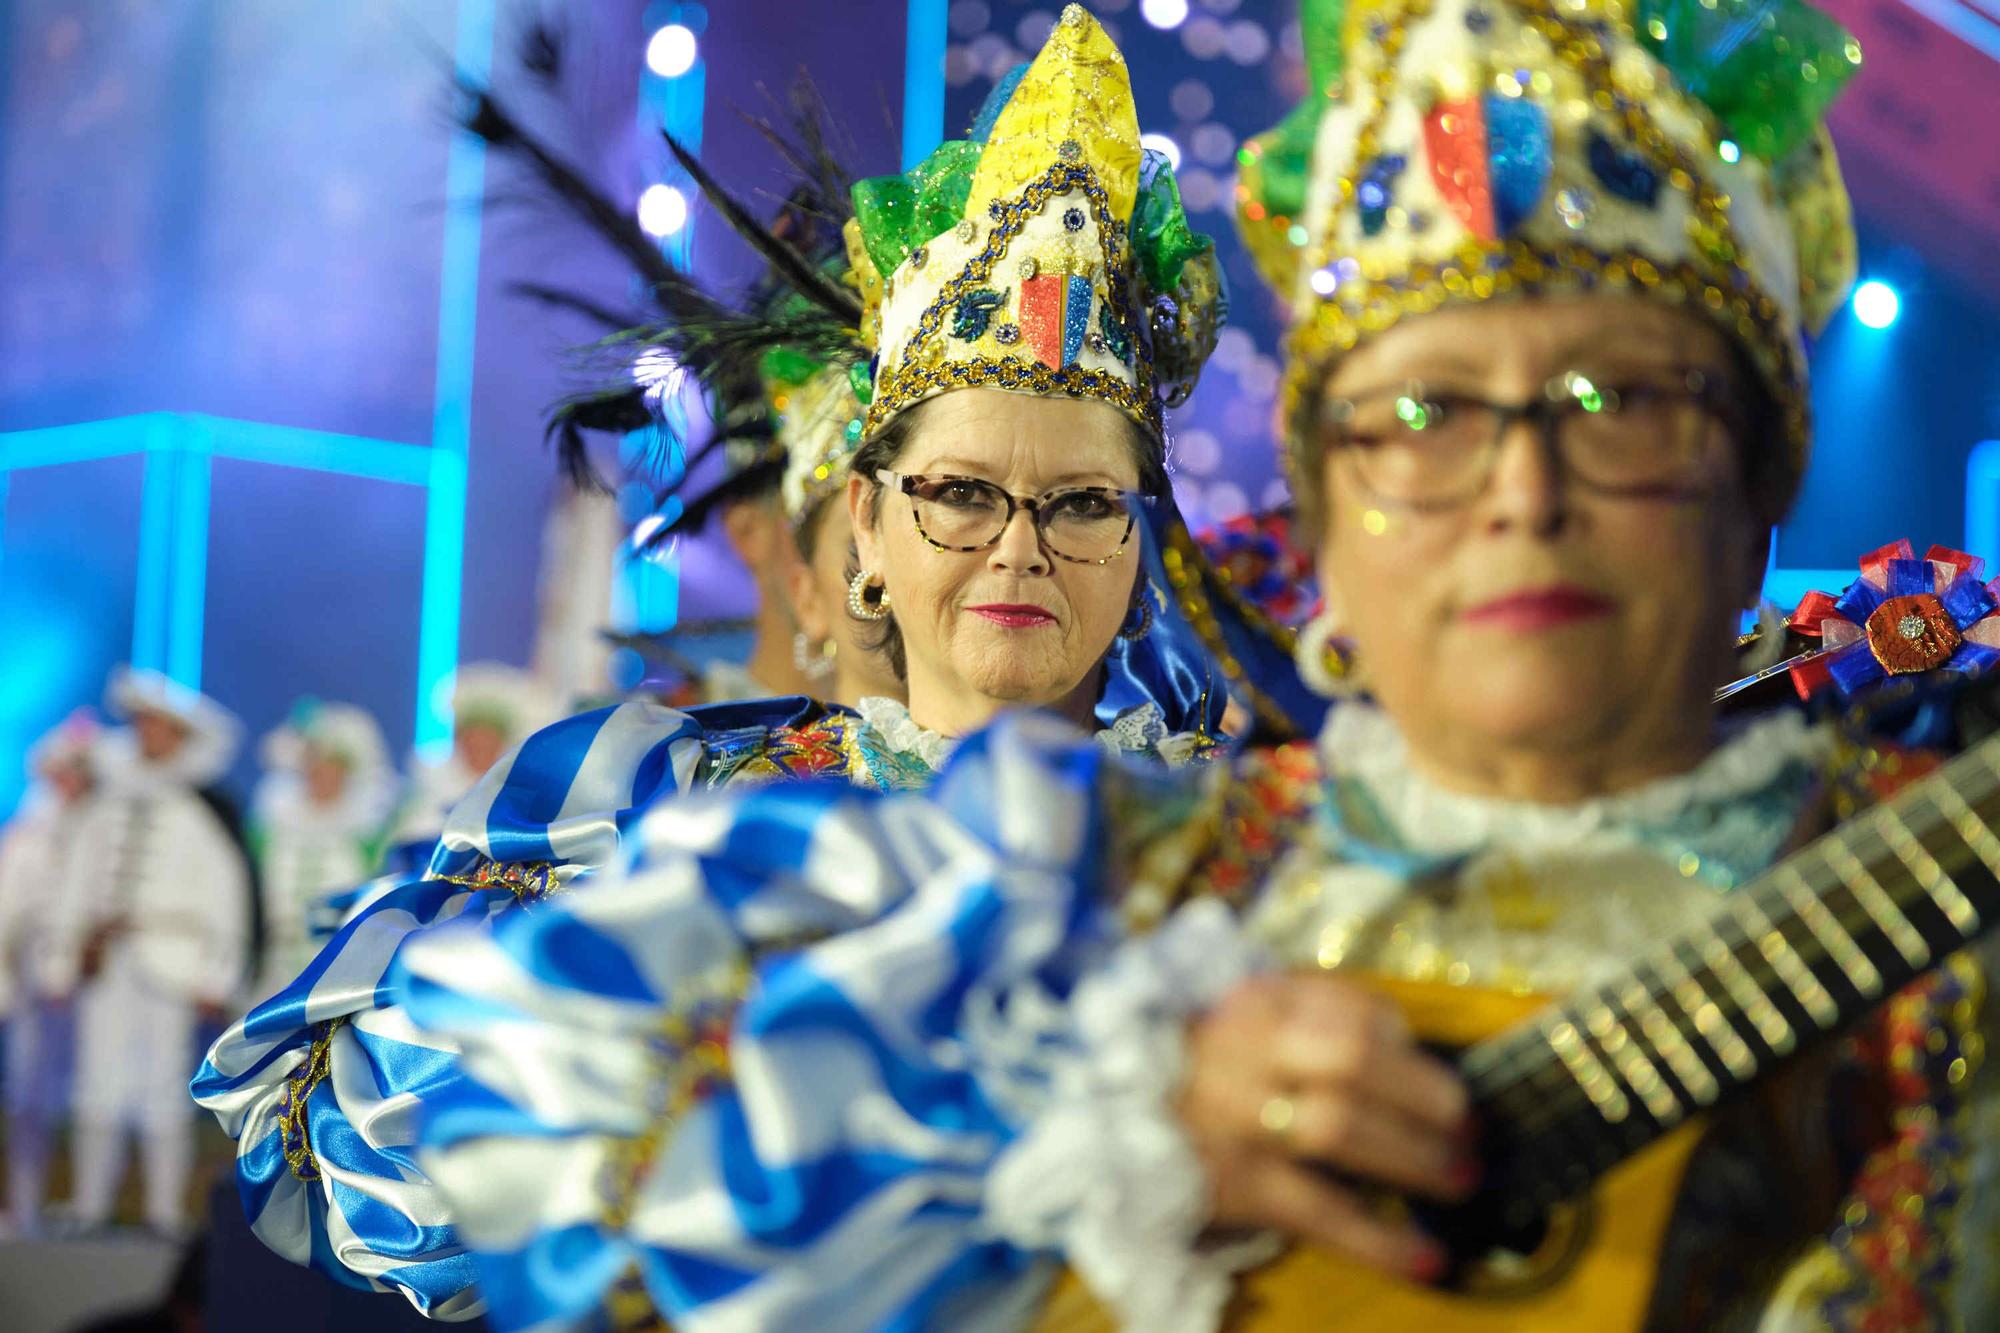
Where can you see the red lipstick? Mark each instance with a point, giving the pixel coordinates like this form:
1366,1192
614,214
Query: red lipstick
1533,609
1013,616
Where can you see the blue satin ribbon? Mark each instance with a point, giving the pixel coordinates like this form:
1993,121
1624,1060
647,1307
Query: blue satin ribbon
1167,666
1268,667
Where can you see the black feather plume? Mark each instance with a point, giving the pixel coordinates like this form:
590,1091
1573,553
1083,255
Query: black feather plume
791,267
542,51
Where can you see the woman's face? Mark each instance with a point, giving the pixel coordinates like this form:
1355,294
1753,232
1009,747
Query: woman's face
71,780
161,735
1542,614
819,599
326,775
479,745
1011,623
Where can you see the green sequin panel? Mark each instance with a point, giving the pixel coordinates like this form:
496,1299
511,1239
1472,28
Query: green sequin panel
1320,31
899,213
1282,157
1768,69
1160,232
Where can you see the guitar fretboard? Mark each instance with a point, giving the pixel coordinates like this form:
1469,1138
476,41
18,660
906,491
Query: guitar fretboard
1792,959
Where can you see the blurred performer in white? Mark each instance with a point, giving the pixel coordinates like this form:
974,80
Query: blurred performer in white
316,825
494,708
155,938
35,851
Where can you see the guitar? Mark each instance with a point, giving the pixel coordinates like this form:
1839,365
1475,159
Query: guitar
1591,1108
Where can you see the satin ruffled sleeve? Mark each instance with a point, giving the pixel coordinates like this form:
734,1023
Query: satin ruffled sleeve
773,1074
321,1084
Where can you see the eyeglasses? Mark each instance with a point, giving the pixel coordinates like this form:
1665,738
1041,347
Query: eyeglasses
1431,449
1086,525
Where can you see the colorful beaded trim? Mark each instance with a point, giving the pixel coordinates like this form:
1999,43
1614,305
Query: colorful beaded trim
528,881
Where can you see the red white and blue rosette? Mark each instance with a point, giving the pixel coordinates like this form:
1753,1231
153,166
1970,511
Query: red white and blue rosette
1904,616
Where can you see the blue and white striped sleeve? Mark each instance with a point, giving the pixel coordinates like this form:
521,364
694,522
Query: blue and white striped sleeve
320,1085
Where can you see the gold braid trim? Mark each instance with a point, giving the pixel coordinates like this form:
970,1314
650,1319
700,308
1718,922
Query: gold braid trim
529,881
690,1048
311,1072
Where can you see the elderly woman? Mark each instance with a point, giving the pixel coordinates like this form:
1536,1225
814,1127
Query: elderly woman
884,1062
1012,436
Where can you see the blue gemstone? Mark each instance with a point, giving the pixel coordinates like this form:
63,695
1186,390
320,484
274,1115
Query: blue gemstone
1625,174
1519,158
1373,193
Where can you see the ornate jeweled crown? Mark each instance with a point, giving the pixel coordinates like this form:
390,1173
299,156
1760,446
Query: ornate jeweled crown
1457,151
1045,253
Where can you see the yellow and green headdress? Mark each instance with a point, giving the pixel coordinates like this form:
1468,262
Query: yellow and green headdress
1456,151
1045,253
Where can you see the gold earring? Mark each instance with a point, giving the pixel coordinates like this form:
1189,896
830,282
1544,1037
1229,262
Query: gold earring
857,597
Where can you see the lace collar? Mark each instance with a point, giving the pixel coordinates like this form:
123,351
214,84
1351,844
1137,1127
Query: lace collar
1743,799
1140,730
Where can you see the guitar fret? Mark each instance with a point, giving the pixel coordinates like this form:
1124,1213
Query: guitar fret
1971,829
1840,946
1875,901
1588,1071
1666,1037
1771,942
1640,1073
1698,1005
1742,987
1585,1084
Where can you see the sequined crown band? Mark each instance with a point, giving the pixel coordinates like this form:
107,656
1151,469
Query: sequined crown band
1459,151
1046,253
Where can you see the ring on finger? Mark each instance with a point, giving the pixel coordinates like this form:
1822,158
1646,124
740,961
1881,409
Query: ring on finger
1278,1116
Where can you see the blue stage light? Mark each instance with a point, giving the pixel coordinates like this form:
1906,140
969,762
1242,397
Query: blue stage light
672,51
1876,304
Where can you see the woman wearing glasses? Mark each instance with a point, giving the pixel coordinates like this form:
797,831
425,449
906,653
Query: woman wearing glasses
1035,290
1545,398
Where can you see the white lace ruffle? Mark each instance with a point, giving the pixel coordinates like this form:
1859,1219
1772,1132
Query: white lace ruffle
1140,730
1103,1172
890,719
1360,742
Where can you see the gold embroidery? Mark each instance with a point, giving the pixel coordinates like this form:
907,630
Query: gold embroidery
293,1136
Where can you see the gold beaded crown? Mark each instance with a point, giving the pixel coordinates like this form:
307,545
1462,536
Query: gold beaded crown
1459,151
1046,253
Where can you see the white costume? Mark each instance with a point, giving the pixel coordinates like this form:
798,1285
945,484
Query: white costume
307,849
155,926
35,851
482,694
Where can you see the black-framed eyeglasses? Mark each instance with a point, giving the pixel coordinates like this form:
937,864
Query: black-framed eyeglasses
1429,448
1085,525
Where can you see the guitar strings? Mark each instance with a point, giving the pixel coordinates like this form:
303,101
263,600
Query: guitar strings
1510,1085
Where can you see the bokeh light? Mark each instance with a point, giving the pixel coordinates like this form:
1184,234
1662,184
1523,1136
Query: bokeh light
1877,305
663,210
672,51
